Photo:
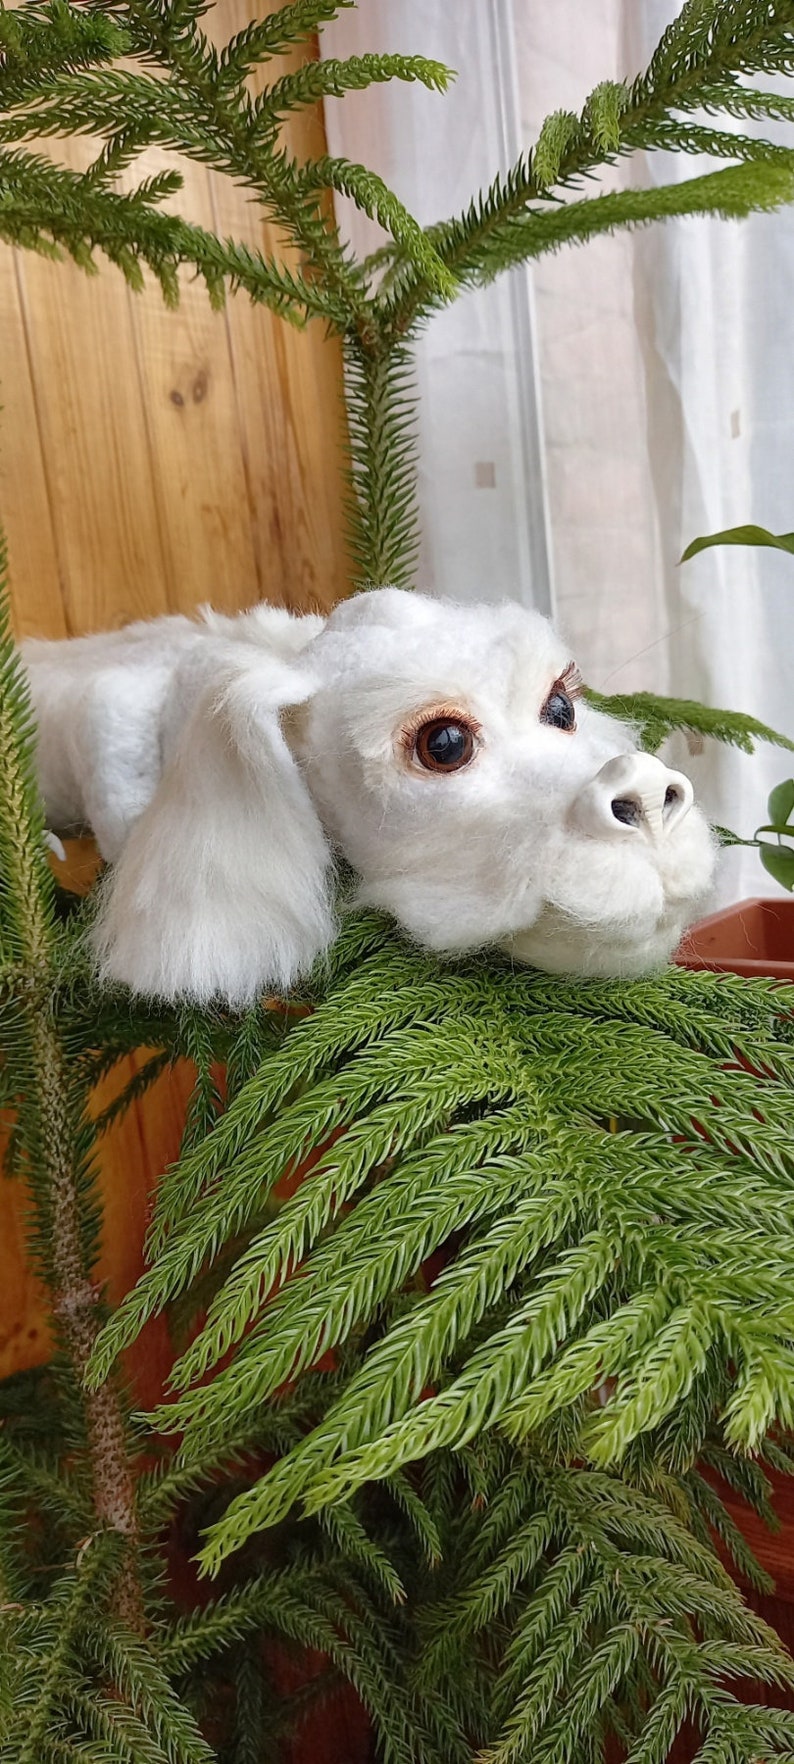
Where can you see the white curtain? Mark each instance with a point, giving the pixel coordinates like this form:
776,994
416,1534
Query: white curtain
631,394
484,526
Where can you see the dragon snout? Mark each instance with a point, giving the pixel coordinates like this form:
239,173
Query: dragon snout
633,796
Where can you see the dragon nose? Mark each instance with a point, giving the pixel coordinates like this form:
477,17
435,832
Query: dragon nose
632,794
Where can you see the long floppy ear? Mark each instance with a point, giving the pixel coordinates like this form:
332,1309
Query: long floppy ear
223,888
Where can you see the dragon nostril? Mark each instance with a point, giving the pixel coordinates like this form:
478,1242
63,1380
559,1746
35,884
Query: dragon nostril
627,810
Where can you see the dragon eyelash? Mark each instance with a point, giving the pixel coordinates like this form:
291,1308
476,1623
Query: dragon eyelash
571,681
434,714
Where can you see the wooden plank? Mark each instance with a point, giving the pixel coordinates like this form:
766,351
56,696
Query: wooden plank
95,445
24,1326
149,461
297,512
131,1157
194,440
298,528
181,457
36,587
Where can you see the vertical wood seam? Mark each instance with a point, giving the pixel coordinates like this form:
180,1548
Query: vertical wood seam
64,585
245,457
166,560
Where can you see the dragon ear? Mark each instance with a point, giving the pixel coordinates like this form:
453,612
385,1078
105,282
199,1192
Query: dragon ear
223,887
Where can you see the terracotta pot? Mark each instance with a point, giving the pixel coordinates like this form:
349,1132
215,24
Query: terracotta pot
755,937
752,937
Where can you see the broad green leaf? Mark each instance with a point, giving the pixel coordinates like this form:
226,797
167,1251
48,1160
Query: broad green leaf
778,860
740,536
781,802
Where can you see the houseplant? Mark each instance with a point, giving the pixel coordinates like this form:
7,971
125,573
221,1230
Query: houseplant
753,936
478,1538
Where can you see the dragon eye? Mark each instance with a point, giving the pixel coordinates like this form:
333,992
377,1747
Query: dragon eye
443,745
559,710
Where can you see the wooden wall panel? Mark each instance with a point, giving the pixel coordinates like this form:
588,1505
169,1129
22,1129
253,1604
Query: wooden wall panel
91,418
24,490
151,461
297,535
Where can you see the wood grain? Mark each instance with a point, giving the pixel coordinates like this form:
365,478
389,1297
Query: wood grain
151,461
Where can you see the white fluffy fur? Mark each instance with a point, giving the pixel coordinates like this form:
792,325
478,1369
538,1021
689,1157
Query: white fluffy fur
219,762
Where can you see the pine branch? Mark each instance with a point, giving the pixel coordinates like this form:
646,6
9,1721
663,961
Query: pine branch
26,888
189,117
54,1638
678,137
332,78
52,210
737,38
206,1103
744,102
414,1213
503,230
129,1665
374,198
264,38
134,1090
705,50
38,43
409,1108
655,718
377,995
48,1125
382,512
725,1527
598,1266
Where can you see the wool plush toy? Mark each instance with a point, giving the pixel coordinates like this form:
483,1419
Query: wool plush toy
444,751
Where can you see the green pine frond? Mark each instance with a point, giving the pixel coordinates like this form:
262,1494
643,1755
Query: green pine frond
192,1639
709,43
695,67
434,1194
725,1528
31,1471
558,133
744,102
455,1620
49,1640
416,1511
274,35
376,993
300,1607
654,718
585,1252
671,135
358,1551
38,43
126,1663
133,1091
603,114
26,887
406,1107
373,197
331,78
731,194
206,1102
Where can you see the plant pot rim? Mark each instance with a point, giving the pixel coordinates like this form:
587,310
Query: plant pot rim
750,937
